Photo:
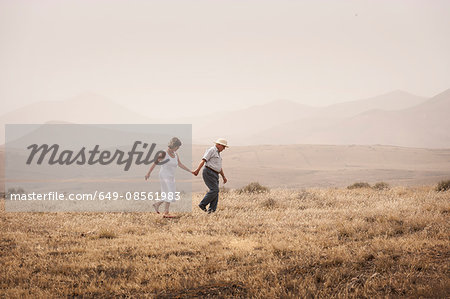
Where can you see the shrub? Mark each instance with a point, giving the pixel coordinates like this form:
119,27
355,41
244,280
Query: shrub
19,190
269,203
359,185
106,234
381,186
443,186
303,195
254,187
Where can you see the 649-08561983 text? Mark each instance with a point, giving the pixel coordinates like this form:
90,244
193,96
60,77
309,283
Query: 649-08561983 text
97,195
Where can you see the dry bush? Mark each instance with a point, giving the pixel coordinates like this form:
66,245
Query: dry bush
18,190
269,203
443,186
253,187
359,185
106,234
381,186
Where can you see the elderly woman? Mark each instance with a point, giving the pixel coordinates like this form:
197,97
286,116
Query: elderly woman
167,175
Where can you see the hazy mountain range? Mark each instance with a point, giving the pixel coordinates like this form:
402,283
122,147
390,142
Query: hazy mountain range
396,118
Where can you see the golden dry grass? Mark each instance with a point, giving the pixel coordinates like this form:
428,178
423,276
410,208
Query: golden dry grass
285,243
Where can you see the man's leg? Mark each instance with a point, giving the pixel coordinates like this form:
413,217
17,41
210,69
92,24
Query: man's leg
214,201
213,205
211,180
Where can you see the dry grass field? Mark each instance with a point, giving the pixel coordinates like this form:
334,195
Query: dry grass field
323,243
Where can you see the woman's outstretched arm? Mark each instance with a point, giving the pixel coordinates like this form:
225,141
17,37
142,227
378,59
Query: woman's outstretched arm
182,166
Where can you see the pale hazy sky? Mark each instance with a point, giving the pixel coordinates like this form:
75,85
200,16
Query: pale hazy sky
205,56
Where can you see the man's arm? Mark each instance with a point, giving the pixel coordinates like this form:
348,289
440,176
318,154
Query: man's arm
223,176
195,172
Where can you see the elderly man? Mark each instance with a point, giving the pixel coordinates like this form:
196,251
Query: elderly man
211,173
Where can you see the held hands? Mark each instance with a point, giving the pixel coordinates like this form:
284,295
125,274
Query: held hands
195,172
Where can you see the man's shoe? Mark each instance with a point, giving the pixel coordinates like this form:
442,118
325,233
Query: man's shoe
202,207
210,211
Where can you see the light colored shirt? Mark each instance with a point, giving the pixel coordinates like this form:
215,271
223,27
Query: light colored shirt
213,158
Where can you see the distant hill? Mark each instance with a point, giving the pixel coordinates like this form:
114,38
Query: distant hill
237,125
85,108
395,100
424,125
268,123
395,118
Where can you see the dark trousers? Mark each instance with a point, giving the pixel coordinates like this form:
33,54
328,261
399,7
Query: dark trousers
211,179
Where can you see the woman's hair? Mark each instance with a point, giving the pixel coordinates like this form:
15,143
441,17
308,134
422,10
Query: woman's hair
174,142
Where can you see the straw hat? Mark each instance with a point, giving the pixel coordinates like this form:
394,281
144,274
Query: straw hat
222,141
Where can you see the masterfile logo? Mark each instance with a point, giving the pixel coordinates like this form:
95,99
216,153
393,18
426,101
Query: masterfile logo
94,156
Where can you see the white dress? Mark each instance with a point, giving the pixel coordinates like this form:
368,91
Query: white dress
167,178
